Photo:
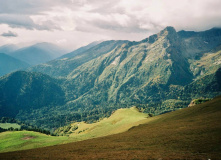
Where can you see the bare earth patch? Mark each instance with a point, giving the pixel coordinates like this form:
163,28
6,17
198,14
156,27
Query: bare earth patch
27,137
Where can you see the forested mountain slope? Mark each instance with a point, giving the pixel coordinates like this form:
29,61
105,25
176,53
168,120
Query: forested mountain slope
161,73
190,133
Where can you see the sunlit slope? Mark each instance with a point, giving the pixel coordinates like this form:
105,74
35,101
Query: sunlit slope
120,121
190,133
20,140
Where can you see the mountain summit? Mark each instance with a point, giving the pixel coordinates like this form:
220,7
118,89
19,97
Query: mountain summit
161,73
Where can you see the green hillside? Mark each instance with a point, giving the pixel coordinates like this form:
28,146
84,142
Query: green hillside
20,140
26,91
9,125
120,121
79,50
159,74
62,67
190,133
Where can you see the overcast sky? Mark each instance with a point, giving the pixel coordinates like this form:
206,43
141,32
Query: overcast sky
73,23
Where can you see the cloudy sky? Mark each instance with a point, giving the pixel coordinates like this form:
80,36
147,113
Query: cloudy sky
73,23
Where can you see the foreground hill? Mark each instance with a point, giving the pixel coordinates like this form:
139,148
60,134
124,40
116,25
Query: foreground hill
190,133
21,140
9,64
120,121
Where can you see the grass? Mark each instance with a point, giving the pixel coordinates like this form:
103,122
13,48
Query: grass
9,125
20,140
120,121
190,133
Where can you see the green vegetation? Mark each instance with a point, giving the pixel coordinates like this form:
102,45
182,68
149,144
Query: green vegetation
120,121
190,133
20,140
10,125
199,101
159,74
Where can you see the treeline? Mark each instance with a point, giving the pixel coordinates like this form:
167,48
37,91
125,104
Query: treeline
24,126
91,113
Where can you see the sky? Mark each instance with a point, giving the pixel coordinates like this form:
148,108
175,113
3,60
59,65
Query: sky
75,23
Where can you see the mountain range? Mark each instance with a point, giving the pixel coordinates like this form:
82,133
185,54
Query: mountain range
161,73
9,64
13,58
8,48
38,53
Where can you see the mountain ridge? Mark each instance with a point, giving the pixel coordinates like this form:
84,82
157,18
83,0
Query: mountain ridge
38,53
9,64
155,74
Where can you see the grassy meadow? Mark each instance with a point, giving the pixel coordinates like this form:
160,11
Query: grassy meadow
120,121
190,133
20,140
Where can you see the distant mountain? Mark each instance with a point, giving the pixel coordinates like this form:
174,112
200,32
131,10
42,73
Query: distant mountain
159,74
8,48
38,53
80,50
63,67
9,64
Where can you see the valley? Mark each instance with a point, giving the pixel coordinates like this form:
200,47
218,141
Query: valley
190,133
116,79
112,98
159,74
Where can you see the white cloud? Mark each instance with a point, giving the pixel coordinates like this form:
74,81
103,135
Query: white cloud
82,21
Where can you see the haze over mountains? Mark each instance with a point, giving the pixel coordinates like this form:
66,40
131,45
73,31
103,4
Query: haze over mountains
158,74
8,48
80,50
22,58
9,64
38,53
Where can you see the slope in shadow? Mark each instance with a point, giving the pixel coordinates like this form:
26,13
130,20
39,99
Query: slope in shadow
190,133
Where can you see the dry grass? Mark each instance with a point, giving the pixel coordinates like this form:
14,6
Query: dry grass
191,133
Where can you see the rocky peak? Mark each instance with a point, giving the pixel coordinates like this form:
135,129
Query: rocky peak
169,33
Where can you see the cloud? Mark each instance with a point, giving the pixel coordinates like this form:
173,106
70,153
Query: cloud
9,34
117,15
112,19
24,21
